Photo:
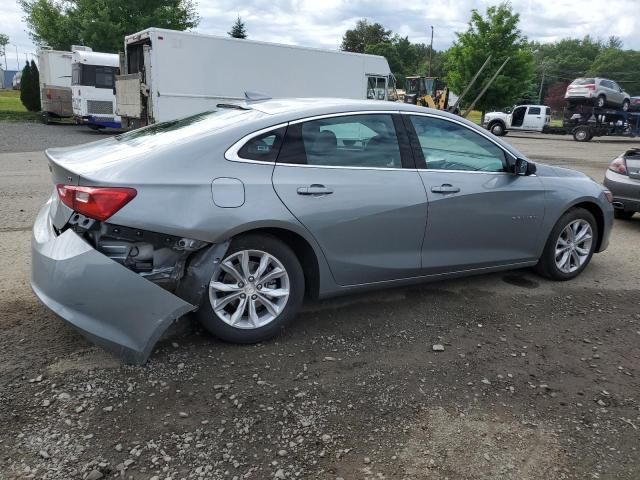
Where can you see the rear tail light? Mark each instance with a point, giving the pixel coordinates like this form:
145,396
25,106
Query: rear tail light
98,203
619,166
590,87
609,195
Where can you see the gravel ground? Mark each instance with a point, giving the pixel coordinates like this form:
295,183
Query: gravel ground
32,137
535,380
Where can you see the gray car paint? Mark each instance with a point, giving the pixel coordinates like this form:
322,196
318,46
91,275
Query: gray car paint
176,182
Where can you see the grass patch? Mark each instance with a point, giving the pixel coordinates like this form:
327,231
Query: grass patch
474,116
12,110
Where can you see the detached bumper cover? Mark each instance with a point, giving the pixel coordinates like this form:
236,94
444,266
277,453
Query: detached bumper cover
111,305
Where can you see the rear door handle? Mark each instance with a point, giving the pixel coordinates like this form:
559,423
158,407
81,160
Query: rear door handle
445,188
315,190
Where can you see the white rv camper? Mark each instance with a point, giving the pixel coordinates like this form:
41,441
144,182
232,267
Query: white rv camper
167,74
92,83
55,83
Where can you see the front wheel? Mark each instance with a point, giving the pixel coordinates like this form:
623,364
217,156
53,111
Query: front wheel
570,246
497,129
258,288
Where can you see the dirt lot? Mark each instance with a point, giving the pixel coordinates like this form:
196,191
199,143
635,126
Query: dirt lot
538,380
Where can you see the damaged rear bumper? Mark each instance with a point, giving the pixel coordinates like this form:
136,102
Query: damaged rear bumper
111,305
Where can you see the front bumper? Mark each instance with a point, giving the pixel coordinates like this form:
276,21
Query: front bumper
625,190
108,303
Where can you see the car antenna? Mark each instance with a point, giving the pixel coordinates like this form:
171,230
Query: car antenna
256,97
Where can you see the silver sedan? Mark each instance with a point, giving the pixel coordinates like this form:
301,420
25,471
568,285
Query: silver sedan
242,213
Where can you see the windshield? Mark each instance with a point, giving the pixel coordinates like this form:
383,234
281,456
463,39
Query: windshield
98,76
195,125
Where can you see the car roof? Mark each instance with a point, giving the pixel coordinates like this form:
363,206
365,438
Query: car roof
284,110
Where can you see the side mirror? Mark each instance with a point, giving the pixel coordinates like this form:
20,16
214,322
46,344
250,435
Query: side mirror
524,167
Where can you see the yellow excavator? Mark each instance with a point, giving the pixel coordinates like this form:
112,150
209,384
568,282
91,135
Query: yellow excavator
426,92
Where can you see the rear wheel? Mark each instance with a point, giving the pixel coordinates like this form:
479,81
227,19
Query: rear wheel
570,246
601,101
623,214
625,105
582,134
258,288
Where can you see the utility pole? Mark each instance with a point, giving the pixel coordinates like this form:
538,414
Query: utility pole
430,51
544,68
485,88
17,58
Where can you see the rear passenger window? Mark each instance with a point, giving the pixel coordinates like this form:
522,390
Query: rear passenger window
534,110
367,141
263,148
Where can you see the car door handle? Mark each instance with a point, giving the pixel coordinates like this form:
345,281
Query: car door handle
314,190
445,188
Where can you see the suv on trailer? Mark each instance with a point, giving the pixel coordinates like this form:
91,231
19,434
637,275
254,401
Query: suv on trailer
601,92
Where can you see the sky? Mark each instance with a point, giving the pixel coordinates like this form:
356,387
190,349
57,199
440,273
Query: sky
321,23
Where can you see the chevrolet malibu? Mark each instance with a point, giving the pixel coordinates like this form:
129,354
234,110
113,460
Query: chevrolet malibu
241,213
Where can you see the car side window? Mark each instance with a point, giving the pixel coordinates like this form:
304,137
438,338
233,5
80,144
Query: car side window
446,145
534,111
264,147
367,141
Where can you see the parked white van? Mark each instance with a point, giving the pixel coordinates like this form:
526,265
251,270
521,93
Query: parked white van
527,118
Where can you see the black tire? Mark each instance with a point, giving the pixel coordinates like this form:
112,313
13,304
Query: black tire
274,247
45,118
582,134
497,128
546,266
625,105
601,101
622,214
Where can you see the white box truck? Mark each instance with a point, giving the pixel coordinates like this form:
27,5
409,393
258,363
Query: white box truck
54,67
92,83
166,74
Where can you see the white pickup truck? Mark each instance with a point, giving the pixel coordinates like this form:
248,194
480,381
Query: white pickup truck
526,118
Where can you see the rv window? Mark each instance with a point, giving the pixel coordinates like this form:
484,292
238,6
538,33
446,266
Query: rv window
263,148
75,73
93,75
376,88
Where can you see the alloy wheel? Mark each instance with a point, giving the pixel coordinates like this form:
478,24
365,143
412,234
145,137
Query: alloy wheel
573,246
251,289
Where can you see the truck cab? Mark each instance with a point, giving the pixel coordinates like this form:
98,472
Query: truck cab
526,118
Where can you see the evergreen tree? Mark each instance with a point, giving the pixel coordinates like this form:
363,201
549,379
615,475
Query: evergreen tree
238,30
30,87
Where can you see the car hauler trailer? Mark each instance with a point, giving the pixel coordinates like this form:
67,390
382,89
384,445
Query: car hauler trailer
92,83
167,74
54,67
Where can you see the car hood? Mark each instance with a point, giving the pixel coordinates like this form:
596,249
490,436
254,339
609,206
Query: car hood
544,170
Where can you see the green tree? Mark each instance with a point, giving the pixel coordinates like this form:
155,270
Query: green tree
4,41
102,24
238,30
565,60
30,87
495,34
364,34
623,66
